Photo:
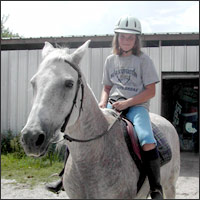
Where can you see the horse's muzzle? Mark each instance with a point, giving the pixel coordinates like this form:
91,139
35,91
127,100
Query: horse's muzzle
33,142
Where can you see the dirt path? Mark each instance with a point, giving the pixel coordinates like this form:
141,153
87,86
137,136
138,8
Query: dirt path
187,184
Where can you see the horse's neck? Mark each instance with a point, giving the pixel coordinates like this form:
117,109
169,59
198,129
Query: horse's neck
90,124
103,155
92,121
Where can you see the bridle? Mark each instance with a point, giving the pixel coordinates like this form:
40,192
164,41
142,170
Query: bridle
80,85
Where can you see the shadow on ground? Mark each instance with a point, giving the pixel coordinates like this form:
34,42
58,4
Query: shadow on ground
189,164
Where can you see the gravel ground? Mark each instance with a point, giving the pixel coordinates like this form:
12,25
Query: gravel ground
187,184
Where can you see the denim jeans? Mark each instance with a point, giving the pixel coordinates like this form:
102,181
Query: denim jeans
139,116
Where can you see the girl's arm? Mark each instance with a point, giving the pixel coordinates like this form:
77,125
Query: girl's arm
142,97
104,96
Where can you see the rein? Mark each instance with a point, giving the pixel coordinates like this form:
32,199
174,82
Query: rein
80,84
67,137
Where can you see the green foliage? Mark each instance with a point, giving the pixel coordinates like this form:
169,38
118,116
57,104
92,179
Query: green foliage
53,155
5,32
5,142
11,144
16,165
28,170
17,147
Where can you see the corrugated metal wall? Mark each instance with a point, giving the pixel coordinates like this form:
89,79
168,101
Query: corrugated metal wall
17,68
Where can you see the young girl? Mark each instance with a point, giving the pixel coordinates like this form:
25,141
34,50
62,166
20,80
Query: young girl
129,78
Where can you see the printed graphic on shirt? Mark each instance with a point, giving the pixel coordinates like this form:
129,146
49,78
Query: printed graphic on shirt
126,78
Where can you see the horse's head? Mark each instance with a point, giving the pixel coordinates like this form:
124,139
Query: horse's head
56,87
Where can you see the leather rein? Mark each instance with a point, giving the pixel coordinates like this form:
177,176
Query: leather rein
80,85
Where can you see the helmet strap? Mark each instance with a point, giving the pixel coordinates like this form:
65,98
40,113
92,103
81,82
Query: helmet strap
122,51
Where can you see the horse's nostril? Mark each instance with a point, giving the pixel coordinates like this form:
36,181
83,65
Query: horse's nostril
40,140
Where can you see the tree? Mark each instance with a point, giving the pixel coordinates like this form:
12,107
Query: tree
5,32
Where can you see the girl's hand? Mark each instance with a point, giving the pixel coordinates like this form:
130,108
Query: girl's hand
120,105
102,105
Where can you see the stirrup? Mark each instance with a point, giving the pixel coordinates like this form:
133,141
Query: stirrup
55,174
52,175
56,186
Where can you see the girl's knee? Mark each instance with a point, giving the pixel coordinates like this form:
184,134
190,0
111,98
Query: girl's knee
148,141
147,147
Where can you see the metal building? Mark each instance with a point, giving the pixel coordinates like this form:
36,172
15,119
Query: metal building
175,55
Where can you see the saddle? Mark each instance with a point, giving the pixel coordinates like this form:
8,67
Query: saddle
134,147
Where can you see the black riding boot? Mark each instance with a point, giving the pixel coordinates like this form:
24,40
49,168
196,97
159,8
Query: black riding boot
152,166
58,185
55,186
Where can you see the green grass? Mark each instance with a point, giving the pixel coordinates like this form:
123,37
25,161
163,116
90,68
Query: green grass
29,170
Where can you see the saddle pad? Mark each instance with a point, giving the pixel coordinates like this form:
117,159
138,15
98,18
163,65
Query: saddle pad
134,148
162,145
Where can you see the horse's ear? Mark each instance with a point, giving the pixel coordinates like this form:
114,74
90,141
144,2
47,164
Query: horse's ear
78,54
47,49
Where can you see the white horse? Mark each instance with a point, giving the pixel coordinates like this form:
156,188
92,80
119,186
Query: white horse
100,168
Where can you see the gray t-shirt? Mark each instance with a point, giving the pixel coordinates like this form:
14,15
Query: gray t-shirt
129,75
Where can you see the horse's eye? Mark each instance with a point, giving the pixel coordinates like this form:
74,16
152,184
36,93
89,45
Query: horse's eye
69,83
